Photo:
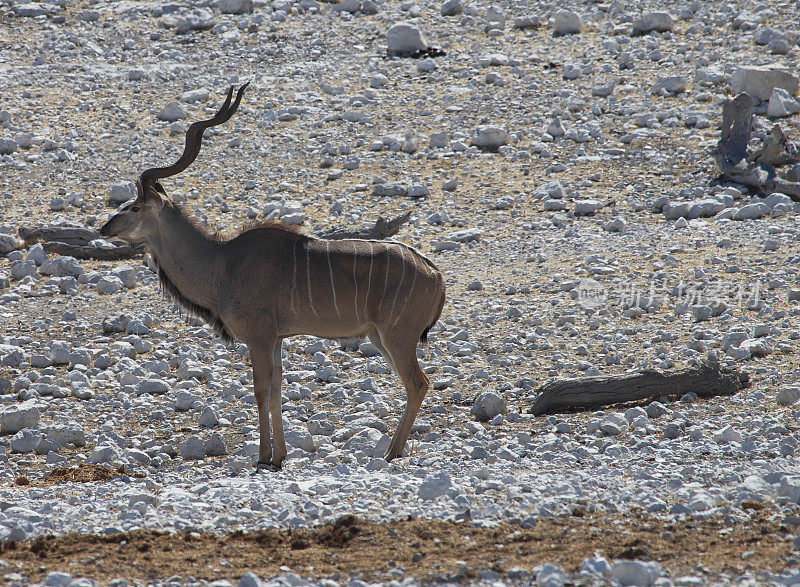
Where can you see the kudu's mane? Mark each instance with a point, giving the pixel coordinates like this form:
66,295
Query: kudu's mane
172,291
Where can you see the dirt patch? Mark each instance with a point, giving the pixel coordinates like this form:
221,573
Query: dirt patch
82,473
425,549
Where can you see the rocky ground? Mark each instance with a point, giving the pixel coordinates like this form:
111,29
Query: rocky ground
558,168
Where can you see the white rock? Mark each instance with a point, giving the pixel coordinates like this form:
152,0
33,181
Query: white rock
236,6
405,38
378,81
487,406
637,573
15,417
122,191
8,242
172,112
452,7
728,434
23,269
319,424
671,84
103,454
617,224
63,434
192,96
371,442
192,448
59,352
751,211
653,21
184,400
152,387
489,137
109,285
208,417
781,103
788,396
57,579
596,565
249,580
62,266
614,424
435,485
566,22
299,438
587,207
8,146
759,81
215,445
26,440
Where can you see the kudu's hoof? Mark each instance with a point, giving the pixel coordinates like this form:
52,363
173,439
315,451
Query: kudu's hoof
267,466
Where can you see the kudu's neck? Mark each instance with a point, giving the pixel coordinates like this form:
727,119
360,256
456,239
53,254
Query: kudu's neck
190,260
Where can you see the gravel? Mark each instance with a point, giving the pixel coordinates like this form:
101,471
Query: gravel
557,171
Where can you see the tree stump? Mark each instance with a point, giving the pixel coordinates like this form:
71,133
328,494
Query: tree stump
706,380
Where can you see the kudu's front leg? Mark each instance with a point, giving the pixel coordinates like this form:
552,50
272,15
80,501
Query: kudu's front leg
261,358
278,442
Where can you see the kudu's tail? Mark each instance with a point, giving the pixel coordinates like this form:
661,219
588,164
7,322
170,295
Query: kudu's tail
424,336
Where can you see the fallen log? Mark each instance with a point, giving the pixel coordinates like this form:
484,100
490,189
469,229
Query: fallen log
706,380
756,169
80,242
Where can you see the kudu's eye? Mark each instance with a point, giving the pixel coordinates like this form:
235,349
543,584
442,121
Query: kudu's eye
135,208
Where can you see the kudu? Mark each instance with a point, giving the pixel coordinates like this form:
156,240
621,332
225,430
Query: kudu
272,281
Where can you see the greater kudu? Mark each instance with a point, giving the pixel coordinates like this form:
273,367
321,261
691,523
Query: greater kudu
272,281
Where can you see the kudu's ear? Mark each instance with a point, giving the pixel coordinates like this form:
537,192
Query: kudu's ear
151,193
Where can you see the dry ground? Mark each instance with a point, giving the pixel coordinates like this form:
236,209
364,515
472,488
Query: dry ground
424,549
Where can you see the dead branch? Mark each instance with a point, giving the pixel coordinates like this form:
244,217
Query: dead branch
380,230
78,241
562,395
756,169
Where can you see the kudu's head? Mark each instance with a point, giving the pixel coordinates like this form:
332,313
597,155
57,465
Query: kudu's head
138,219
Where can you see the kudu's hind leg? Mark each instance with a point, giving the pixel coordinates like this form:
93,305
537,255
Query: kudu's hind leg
403,352
278,442
375,339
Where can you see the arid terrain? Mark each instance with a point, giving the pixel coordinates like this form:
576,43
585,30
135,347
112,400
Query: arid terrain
558,163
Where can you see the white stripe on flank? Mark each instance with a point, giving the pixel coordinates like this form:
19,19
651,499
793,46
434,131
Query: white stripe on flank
402,275
294,274
330,271
413,283
385,280
369,279
308,279
355,281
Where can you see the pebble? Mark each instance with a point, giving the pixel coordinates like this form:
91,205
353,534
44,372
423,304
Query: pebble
16,417
435,485
405,38
172,112
566,22
192,448
653,21
781,104
636,572
488,405
489,137
788,396
452,7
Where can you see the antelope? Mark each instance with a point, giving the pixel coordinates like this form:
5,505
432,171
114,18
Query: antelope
271,281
